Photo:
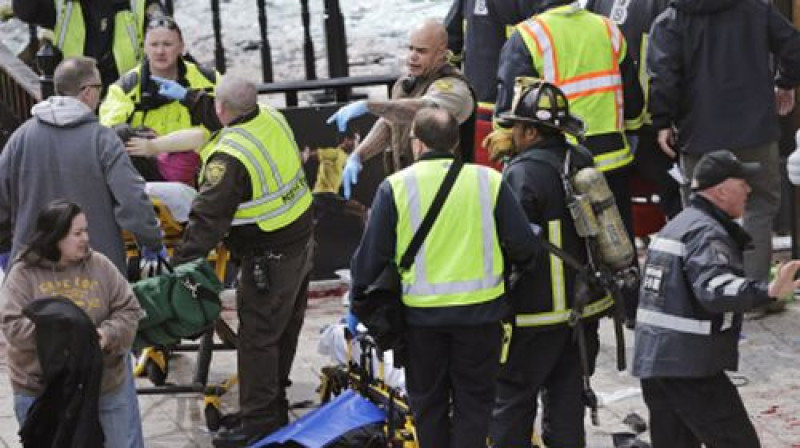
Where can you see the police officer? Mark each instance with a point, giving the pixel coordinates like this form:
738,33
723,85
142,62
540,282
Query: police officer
693,293
430,81
586,56
164,93
254,195
544,355
109,31
454,291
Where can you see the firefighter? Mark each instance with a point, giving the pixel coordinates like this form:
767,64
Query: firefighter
254,195
163,94
586,56
694,291
544,298
111,31
431,81
454,294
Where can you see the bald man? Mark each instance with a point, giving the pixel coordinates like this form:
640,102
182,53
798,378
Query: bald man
430,81
254,195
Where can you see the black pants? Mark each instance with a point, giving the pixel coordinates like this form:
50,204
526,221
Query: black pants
452,365
546,361
619,184
688,412
269,326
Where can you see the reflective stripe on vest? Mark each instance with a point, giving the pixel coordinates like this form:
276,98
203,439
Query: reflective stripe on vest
276,202
594,85
669,246
437,277
70,32
670,322
558,317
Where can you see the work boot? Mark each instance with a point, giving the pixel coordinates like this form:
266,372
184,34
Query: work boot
238,437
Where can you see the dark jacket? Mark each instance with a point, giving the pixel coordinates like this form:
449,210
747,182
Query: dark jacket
634,19
693,293
539,187
474,34
378,247
709,63
67,413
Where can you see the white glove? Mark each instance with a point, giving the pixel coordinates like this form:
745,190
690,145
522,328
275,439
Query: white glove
793,163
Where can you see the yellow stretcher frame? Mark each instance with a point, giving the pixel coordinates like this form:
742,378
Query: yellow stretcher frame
153,361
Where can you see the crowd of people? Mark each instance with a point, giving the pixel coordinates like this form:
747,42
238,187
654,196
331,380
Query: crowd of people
494,270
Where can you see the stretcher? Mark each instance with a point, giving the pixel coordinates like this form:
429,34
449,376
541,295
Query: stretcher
367,379
153,362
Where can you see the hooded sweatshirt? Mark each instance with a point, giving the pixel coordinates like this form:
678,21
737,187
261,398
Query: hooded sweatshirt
62,152
711,72
95,285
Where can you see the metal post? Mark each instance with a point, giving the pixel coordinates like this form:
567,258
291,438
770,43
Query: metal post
336,40
47,58
219,50
266,53
794,210
169,7
308,44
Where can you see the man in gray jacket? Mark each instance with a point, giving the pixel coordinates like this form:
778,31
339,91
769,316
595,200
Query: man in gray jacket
694,290
64,152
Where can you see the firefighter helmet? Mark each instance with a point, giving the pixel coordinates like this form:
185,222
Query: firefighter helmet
540,102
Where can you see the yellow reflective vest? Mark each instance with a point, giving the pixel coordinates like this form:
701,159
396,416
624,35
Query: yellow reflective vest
266,147
70,32
124,99
581,52
459,262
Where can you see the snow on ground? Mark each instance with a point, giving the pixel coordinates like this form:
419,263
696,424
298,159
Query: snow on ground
376,33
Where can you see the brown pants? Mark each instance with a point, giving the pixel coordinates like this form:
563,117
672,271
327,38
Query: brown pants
269,326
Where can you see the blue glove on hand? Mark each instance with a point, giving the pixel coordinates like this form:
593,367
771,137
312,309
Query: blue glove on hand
170,89
347,113
350,173
154,254
4,258
352,323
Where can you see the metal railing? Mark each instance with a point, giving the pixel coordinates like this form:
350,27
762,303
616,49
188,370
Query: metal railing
340,87
19,91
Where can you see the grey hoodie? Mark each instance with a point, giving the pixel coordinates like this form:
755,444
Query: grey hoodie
64,153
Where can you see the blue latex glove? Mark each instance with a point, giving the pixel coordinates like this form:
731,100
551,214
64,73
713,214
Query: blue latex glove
154,254
347,113
4,259
170,89
350,174
352,323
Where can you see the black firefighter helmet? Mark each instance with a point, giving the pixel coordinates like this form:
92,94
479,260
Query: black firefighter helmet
540,102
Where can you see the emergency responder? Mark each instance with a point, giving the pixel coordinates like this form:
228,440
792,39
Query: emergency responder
109,31
586,56
721,73
254,195
543,298
430,81
634,19
476,31
160,96
694,290
454,291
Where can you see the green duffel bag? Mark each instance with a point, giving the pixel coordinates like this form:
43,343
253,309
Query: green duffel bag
180,304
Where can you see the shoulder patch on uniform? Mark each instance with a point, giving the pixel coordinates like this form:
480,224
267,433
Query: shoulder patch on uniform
215,171
721,252
443,85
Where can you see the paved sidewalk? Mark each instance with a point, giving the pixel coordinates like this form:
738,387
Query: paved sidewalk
769,382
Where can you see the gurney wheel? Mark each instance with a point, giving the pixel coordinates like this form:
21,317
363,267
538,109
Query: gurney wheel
213,417
156,374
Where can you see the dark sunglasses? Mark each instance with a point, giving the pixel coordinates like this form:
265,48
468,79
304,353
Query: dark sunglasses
89,86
